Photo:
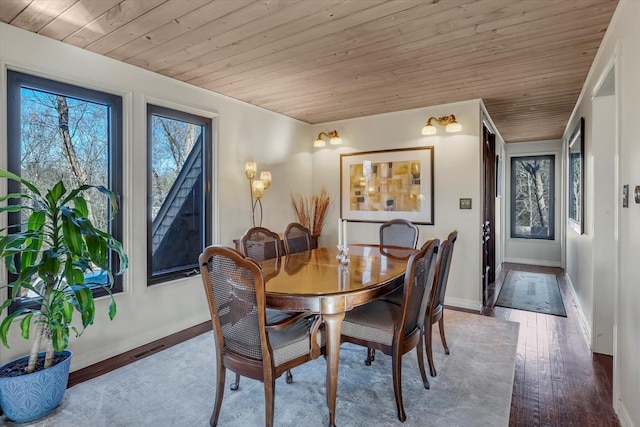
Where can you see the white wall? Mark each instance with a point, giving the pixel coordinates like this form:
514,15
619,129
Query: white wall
457,173
620,48
604,223
278,143
534,251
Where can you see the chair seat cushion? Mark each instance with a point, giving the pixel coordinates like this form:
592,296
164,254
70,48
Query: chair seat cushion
276,316
372,322
395,296
290,343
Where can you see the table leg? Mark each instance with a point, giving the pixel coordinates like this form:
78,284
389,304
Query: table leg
333,325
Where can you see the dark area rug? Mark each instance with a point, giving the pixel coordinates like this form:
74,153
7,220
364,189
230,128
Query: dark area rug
536,292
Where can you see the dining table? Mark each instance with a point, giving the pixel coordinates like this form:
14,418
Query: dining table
316,281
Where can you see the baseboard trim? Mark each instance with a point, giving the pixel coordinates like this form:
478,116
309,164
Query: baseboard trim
583,318
534,262
135,354
463,303
623,414
498,269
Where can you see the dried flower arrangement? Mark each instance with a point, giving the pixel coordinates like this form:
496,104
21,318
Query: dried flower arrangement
311,213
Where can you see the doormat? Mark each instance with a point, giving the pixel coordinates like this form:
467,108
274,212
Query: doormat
536,292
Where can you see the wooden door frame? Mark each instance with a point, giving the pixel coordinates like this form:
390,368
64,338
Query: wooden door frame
488,209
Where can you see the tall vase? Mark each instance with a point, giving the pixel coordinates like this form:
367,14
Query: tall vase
314,240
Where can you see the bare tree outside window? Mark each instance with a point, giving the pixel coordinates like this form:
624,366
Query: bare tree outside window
62,132
173,141
532,200
66,139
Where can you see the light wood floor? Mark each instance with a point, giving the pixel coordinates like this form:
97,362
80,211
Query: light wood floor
558,382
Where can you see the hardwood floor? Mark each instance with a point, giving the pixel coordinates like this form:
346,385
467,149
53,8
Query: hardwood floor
558,382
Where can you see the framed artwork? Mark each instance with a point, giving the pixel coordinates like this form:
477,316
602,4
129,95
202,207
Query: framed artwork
498,176
378,186
576,178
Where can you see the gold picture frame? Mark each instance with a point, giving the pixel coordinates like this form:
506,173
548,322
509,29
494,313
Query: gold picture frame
378,186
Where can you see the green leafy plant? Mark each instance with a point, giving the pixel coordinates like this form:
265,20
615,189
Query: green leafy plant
50,254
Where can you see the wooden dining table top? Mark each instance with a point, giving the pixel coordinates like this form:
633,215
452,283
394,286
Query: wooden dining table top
309,275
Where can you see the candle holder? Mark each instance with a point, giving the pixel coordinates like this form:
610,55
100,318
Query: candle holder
344,259
343,277
340,252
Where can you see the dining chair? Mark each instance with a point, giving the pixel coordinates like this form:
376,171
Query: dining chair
245,342
402,233
395,233
393,329
399,232
259,244
297,238
435,306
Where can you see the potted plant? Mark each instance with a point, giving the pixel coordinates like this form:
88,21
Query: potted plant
56,254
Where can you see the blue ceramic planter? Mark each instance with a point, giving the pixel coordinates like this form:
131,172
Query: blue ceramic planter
30,397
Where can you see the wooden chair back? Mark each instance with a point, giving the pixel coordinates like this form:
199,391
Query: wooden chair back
399,232
259,244
442,271
417,286
297,238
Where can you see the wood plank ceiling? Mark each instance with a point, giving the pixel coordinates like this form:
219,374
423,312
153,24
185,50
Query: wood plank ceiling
325,60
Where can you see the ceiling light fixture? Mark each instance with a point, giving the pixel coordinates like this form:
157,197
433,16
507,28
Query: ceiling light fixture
334,139
449,121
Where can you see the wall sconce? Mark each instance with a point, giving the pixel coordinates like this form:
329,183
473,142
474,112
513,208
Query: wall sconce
449,121
256,188
334,139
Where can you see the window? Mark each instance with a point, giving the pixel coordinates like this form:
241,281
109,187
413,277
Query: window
532,200
60,131
179,192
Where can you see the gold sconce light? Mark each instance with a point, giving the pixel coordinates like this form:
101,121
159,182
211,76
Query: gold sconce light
449,121
256,188
334,139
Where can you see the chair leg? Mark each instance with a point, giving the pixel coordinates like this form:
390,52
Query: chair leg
371,356
221,373
289,377
269,386
420,356
397,385
236,384
428,347
444,340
